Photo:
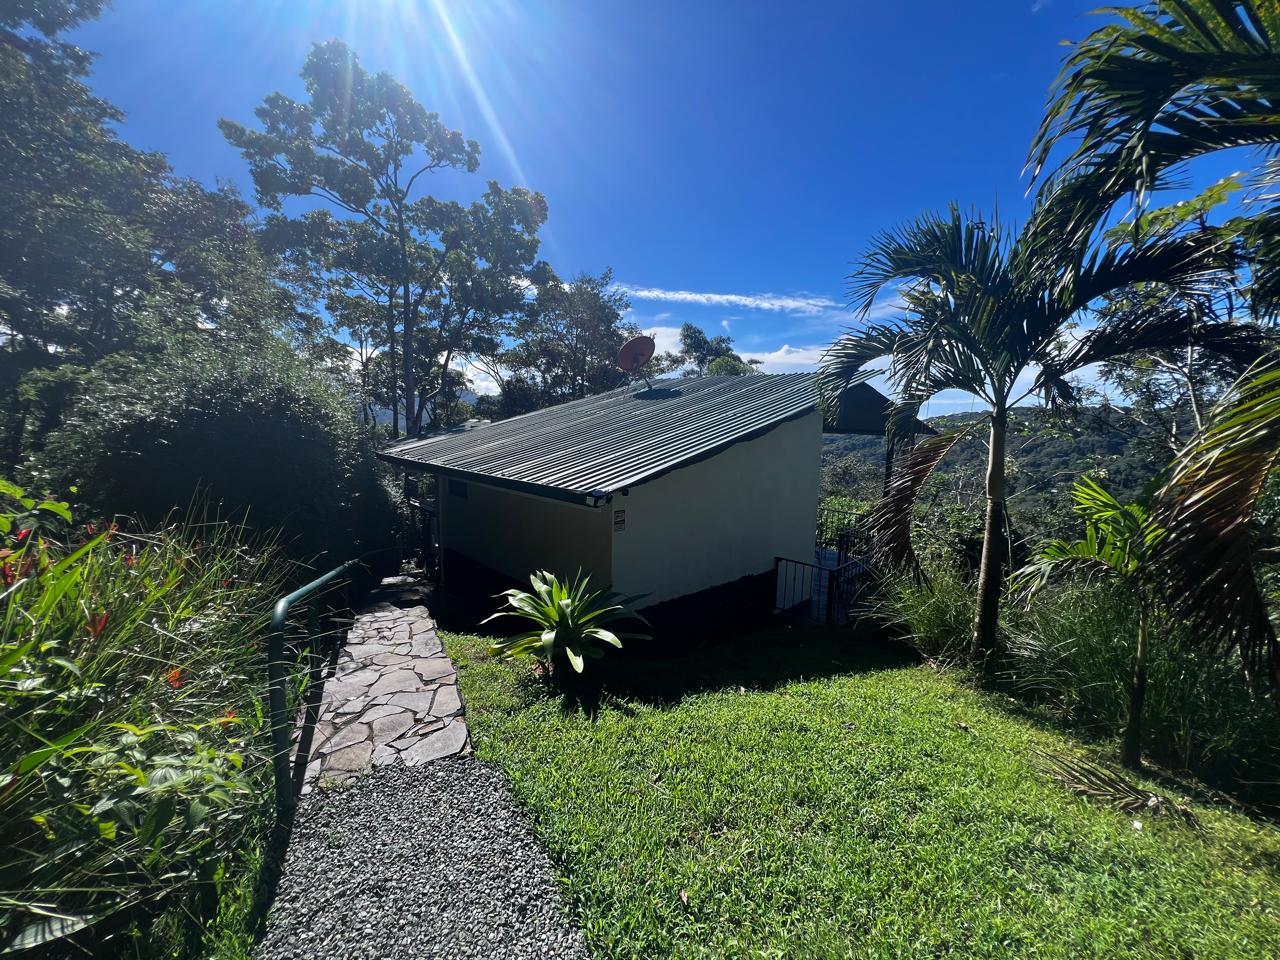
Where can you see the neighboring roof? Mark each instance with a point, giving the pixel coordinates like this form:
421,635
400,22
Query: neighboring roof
584,449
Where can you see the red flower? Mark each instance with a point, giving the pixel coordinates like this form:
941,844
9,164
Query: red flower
97,624
227,717
23,534
226,583
174,678
8,574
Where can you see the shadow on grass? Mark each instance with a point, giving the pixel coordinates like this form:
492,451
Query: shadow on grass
763,660
1258,800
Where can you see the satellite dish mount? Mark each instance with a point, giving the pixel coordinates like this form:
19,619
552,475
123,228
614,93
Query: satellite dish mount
634,354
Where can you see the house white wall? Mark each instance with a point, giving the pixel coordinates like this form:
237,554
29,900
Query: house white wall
720,519
516,534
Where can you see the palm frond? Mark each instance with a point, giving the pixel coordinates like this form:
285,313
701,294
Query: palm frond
1205,565
924,360
844,362
1191,264
944,251
1261,239
1098,783
1171,80
1170,324
889,521
1119,538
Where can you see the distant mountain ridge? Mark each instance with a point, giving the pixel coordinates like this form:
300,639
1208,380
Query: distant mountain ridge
1047,453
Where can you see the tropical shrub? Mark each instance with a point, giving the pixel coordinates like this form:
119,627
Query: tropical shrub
948,533
570,621
1119,542
934,611
1070,654
133,755
255,430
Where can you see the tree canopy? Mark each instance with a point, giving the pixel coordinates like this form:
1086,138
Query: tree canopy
425,279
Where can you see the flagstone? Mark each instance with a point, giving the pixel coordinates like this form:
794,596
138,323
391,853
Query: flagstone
393,697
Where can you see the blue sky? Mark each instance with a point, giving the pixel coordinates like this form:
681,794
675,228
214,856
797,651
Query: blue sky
728,160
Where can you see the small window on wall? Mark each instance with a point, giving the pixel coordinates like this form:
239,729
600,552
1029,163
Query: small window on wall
458,488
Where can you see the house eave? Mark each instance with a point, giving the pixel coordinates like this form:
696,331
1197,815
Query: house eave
590,498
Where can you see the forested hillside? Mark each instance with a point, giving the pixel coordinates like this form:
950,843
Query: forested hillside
1047,452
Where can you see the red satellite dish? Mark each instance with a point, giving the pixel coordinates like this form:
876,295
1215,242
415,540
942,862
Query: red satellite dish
635,353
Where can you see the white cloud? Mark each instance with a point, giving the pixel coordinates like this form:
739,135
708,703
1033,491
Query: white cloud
667,338
725,324
480,381
887,308
787,359
804,304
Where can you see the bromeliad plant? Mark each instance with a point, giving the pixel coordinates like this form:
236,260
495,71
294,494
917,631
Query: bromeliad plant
1120,542
570,621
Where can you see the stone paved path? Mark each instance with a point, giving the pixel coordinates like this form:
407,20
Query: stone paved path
411,860
393,697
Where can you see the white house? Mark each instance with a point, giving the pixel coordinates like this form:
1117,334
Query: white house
661,491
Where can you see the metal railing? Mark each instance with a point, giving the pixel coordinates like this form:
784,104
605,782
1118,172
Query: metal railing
288,784
841,534
821,594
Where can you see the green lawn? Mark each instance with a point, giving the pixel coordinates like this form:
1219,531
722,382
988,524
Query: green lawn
804,794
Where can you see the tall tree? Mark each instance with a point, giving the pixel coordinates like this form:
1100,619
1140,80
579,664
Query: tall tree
102,248
566,344
362,144
100,240
488,262
699,353
985,311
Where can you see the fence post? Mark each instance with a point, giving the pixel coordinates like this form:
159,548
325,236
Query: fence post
277,709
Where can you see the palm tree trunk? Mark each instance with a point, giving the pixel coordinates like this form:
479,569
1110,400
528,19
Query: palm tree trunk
991,571
1131,751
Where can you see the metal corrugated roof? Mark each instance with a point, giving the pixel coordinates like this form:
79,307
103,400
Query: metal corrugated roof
614,440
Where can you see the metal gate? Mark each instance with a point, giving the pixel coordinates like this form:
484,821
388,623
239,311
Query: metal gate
808,591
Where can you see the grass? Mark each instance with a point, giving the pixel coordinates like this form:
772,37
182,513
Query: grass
809,793
1069,655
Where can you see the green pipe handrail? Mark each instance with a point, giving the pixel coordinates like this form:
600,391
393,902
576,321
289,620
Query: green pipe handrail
277,699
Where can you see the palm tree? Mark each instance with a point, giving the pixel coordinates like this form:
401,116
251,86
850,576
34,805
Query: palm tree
1120,541
987,311
1205,565
1171,81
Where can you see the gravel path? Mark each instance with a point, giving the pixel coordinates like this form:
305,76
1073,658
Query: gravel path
417,863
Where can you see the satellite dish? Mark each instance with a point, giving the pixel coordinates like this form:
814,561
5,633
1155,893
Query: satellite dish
635,353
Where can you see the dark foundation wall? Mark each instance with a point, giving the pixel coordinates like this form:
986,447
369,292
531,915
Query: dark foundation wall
468,595
710,616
